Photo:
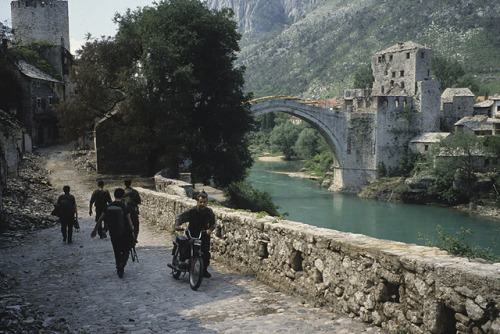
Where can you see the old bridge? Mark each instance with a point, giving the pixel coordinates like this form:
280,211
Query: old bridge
353,156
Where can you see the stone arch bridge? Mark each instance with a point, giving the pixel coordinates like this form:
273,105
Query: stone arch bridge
350,136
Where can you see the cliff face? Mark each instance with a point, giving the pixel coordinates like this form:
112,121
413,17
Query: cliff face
312,48
262,16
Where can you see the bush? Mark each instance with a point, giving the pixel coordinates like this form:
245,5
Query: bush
244,196
458,245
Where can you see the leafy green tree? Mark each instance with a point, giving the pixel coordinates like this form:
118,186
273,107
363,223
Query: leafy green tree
307,144
283,138
180,96
459,152
99,84
363,77
451,74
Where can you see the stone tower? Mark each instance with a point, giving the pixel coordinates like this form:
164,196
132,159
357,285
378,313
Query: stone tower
36,20
397,69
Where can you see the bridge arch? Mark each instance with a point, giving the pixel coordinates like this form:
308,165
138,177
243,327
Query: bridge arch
315,116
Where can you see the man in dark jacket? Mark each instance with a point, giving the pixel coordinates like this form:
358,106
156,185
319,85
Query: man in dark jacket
200,218
121,229
133,199
100,199
66,210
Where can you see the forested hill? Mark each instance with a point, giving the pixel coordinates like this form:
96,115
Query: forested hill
311,48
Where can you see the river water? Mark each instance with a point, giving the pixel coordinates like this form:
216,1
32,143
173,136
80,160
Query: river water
306,202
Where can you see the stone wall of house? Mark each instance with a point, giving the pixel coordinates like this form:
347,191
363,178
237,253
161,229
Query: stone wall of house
400,287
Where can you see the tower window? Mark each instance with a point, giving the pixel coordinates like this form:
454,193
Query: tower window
422,55
407,55
402,73
402,84
393,74
390,57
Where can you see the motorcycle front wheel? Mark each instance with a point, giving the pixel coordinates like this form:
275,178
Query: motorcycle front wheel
196,273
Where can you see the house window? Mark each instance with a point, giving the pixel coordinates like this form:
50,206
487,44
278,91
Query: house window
401,73
397,103
379,59
385,103
38,102
392,83
390,58
426,148
407,55
402,84
498,108
51,100
422,55
393,74
383,90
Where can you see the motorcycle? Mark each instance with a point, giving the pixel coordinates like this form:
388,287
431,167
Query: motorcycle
187,258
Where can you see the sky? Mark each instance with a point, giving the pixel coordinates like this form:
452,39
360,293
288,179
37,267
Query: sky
86,16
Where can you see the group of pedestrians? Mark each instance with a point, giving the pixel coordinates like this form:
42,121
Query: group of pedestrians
121,219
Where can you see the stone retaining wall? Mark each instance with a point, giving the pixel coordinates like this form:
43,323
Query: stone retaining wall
401,287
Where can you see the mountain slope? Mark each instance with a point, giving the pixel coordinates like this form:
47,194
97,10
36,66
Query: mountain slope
312,48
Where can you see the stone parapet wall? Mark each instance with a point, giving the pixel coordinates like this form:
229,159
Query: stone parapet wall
400,287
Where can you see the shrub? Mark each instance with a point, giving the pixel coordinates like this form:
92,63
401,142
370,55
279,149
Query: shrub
244,196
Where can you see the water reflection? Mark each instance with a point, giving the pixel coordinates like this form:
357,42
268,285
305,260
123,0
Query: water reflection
306,202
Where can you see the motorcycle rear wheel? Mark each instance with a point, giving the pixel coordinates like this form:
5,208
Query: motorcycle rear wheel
196,273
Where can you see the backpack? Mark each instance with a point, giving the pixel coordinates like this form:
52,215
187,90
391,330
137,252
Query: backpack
131,199
65,206
115,220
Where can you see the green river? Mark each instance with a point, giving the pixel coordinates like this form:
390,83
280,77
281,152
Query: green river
308,203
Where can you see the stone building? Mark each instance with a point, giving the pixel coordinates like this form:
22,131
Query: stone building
407,99
456,103
489,107
37,20
423,143
397,69
40,92
479,125
46,23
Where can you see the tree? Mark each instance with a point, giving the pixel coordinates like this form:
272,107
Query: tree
307,144
363,77
458,153
283,138
180,96
451,74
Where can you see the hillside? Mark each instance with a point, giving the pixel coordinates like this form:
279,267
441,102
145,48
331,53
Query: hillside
312,48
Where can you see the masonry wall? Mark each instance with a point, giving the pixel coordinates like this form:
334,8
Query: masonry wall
36,20
401,287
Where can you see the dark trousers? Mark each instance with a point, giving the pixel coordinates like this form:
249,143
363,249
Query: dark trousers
67,228
205,248
121,248
134,216
102,228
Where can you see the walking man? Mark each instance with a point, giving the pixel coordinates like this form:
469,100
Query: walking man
200,218
133,199
67,212
117,218
100,199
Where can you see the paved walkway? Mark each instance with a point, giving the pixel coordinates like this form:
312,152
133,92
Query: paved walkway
78,282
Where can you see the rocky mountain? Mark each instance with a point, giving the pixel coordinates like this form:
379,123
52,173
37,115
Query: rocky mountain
311,48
